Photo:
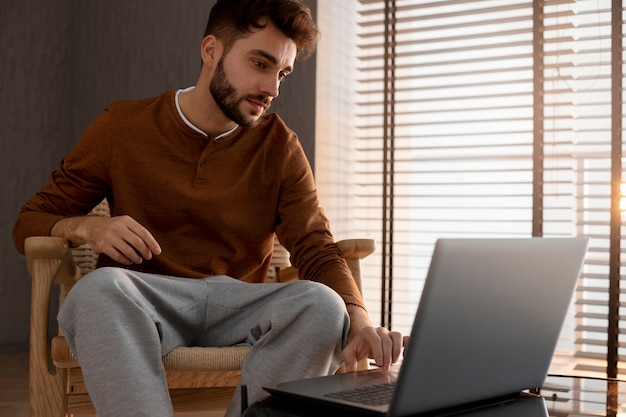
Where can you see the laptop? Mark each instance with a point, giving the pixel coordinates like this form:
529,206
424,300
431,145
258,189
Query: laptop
486,328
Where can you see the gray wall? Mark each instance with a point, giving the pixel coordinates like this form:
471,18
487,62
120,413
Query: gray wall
64,60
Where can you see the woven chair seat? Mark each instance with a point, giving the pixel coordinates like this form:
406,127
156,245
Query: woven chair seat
184,359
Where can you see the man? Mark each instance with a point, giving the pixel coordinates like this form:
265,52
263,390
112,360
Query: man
198,182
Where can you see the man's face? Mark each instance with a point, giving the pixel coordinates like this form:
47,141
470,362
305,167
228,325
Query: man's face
248,77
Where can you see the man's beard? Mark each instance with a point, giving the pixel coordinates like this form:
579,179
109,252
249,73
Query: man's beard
225,97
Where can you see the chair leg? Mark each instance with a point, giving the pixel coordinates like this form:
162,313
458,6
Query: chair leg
46,390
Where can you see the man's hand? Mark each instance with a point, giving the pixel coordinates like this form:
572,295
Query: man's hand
121,238
367,341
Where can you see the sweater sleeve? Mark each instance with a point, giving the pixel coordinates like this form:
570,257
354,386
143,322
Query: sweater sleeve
78,185
304,229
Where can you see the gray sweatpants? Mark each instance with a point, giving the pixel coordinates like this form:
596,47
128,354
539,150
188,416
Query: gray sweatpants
120,323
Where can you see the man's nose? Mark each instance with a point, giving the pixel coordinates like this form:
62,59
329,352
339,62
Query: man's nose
271,86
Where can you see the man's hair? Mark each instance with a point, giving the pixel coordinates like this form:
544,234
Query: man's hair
230,20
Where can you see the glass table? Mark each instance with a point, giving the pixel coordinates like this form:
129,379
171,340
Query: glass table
571,396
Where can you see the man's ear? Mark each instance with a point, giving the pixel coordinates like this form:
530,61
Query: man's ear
210,50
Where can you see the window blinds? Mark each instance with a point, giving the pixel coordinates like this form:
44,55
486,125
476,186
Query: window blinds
489,118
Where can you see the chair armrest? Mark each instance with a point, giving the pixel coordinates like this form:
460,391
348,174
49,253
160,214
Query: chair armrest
352,250
356,248
50,262
55,252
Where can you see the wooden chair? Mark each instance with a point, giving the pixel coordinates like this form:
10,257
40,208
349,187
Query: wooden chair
199,378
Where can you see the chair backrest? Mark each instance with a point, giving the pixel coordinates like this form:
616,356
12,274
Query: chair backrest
84,256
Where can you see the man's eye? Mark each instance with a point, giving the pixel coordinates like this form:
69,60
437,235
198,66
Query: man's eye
259,64
282,75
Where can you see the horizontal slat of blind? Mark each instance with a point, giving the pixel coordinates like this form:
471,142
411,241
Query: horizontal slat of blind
465,10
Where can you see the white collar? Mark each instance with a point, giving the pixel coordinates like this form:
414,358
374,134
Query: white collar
191,125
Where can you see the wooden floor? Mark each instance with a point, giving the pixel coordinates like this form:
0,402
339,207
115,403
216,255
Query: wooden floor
14,388
14,385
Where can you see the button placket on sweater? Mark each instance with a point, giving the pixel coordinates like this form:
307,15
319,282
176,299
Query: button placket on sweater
205,149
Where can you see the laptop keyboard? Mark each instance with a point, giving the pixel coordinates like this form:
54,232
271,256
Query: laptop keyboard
374,395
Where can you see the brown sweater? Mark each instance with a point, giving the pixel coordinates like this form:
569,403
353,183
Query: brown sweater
213,206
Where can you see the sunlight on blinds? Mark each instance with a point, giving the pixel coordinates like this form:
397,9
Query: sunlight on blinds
463,130
578,161
335,113
456,139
